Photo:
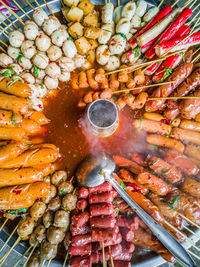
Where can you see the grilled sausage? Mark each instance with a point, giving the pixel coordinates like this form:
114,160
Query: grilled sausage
181,162
186,135
102,222
191,187
101,209
152,126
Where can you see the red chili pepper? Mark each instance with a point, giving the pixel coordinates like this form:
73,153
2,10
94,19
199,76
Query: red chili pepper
17,191
135,187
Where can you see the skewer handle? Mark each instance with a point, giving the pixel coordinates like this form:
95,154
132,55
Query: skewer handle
165,238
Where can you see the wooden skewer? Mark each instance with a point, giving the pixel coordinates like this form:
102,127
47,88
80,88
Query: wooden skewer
32,250
186,238
145,86
193,4
37,4
8,252
111,258
188,220
9,238
29,4
103,255
49,262
187,3
8,19
49,8
22,256
21,9
66,257
174,97
4,31
3,43
176,3
3,49
189,230
63,5
195,7
194,255
118,2
160,4
196,51
6,25
137,65
3,224
12,12
196,58
42,264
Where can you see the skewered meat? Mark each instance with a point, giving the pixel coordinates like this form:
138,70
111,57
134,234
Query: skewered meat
55,235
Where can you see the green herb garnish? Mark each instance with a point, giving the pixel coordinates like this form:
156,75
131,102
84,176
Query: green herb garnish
42,86
164,171
166,71
19,57
129,95
63,192
70,39
175,200
153,162
74,155
136,52
122,34
17,212
140,126
154,147
11,70
167,134
122,184
11,83
66,208
13,120
6,74
35,71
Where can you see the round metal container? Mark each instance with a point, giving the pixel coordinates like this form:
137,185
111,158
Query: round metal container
142,258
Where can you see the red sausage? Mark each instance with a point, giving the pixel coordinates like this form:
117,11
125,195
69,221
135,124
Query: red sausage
113,251
115,241
95,258
120,263
103,222
123,257
101,188
165,169
127,247
80,219
81,204
81,240
128,222
138,158
101,209
83,250
80,261
127,234
99,235
85,229
104,197
181,162
83,192
157,185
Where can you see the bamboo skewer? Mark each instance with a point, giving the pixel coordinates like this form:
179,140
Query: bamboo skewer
8,252
42,264
140,87
22,256
118,2
29,4
174,97
3,49
49,262
3,224
32,250
8,19
193,4
3,43
186,238
66,257
187,3
12,12
160,4
176,3
188,220
63,5
196,58
137,65
6,25
49,8
189,230
9,238
37,4
21,9
111,258
103,255
4,31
